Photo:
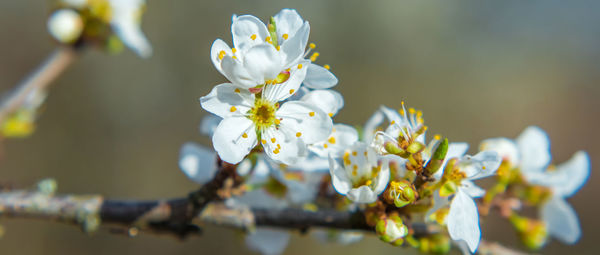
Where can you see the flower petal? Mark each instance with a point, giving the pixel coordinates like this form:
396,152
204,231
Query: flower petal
311,164
342,136
319,77
292,50
567,178
561,220
362,195
280,92
243,30
263,62
235,72
455,150
371,126
471,189
482,165
198,162
287,21
535,149
209,123
382,179
507,149
228,139
224,101
305,121
329,101
283,146
125,23
463,220
339,178
217,47
268,241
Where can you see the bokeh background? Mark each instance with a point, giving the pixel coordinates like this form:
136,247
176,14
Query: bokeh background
478,69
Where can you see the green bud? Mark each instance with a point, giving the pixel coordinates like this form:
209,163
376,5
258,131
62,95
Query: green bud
273,31
392,148
403,193
415,147
438,158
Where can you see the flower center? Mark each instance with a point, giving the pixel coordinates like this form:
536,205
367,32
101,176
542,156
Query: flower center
262,114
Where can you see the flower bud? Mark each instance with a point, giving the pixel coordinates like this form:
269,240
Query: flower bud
533,233
415,147
65,25
437,159
391,230
392,148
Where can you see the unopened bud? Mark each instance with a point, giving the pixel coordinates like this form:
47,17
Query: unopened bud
437,158
65,25
391,230
402,193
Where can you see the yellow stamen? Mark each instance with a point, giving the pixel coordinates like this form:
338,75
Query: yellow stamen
263,141
411,110
244,135
331,140
233,50
222,54
299,66
312,114
278,47
437,137
292,91
273,140
253,37
237,90
326,67
330,114
268,39
232,109
354,153
298,134
285,36
368,182
314,56
312,45
277,122
325,146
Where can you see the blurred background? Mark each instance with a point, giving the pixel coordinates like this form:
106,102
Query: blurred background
114,124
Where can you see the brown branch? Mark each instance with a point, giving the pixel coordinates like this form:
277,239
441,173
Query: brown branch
40,79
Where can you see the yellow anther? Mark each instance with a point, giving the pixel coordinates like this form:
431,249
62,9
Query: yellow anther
299,66
354,153
263,141
333,130
244,135
401,111
365,153
354,172
331,140
276,151
368,182
312,114
232,109
312,45
330,114
314,56
298,134
411,110
483,167
222,54
253,37
425,128
327,67
419,113
288,70
278,47
278,146
237,90
268,39
277,122
285,36
402,103
292,91
437,137
234,57
393,122
325,146
347,160
233,50
273,140
355,167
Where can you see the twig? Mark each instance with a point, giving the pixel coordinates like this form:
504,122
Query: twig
40,79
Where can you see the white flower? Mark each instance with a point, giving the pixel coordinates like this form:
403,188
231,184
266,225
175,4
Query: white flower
463,219
361,178
342,136
197,162
564,181
126,21
531,154
65,25
283,130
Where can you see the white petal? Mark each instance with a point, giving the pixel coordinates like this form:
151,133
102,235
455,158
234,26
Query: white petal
392,115
329,101
471,189
438,203
362,195
283,146
268,241
483,164
382,179
506,148
235,72
292,50
400,163
259,198
339,178
228,140
243,28
125,22
311,124
311,164
463,220
262,61
567,178
535,149
561,220
198,162
342,136
223,98
287,21
209,123
215,50
318,77
455,150
280,92
371,126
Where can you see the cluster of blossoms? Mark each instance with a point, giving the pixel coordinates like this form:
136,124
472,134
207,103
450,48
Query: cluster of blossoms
273,120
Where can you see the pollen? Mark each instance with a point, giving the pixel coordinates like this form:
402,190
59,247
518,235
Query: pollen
237,90
262,114
365,153
222,54
312,45
354,153
393,122
437,137
354,171
325,146
268,39
401,111
285,36
411,110
314,56
298,134
312,114
292,91
244,135
278,146
273,140
277,122
253,37
331,140
263,141
278,47
299,66
232,109
327,67
368,183
330,114
233,50
276,151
